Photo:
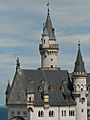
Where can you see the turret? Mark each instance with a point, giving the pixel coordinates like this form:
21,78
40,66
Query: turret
46,96
30,95
79,84
18,70
48,49
46,93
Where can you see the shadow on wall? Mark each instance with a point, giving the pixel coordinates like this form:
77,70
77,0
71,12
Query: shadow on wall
17,118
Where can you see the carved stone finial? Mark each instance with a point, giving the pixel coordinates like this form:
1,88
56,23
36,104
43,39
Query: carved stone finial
18,62
78,44
48,7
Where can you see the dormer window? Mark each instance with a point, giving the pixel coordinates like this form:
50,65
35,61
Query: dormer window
40,88
51,88
62,88
63,81
42,81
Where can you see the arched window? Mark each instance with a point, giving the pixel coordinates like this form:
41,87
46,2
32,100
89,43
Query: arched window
51,113
18,112
81,89
44,41
40,114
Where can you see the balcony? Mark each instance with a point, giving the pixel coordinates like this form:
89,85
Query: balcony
51,46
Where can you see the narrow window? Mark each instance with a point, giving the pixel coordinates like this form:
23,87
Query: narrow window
51,66
65,113
44,41
18,112
29,99
40,114
82,110
81,89
71,113
12,112
62,112
51,113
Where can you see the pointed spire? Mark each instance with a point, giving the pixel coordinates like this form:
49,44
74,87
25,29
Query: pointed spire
79,64
49,26
18,63
31,87
45,32
8,87
46,92
48,7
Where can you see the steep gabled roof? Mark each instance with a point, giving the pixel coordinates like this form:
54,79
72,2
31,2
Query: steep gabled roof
54,78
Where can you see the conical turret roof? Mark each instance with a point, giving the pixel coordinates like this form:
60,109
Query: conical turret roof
79,64
49,27
30,88
45,32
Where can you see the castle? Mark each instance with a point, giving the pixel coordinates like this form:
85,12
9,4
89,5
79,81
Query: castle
49,92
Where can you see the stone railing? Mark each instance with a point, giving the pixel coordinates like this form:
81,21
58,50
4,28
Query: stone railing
51,46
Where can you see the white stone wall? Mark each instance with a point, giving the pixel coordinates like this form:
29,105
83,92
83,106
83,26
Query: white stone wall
79,84
48,60
80,91
45,41
57,113
88,112
13,111
81,109
52,42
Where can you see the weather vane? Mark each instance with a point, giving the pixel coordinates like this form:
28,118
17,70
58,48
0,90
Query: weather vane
48,4
79,44
48,7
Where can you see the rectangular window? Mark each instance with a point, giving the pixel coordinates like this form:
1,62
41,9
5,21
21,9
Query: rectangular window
71,113
63,112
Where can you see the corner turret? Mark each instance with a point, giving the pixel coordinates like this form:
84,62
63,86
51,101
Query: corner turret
30,95
80,87
79,64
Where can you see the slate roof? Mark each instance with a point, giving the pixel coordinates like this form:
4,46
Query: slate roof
79,64
45,32
54,78
49,27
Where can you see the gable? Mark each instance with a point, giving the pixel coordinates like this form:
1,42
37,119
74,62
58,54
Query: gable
17,94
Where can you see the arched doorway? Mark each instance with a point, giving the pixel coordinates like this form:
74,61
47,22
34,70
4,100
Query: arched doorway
17,118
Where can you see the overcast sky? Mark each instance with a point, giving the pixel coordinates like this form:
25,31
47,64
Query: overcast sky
21,23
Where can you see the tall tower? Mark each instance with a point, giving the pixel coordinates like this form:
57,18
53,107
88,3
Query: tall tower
80,90
48,48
